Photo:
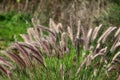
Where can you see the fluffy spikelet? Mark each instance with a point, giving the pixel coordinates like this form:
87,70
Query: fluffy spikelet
118,77
117,33
56,28
61,72
35,22
105,34
35,53
52,25
25,37
17,59
59,28
101,52
116,55
84,37
46,29
89,34
97,49
5,62
95,32
70,33
34,34
89,60
63,44
46,47
6,71
24,54
94,55
30,32
115,64
113,48
78,30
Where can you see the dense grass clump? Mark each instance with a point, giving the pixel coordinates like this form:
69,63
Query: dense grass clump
50,53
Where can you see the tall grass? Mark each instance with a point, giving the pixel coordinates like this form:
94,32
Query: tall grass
52,53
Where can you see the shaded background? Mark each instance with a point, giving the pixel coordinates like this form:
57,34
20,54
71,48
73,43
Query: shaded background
60,10
15,15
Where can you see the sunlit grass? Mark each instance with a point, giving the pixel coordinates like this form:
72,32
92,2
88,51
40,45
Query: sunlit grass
11,26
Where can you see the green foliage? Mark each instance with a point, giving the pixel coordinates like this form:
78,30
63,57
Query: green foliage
18,1
115,1
11,25
112,14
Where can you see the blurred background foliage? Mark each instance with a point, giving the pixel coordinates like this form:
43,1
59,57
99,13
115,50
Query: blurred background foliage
15,15
12,24
111,16
59,10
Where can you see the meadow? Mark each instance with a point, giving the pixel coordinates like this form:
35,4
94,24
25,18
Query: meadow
53,53
59,40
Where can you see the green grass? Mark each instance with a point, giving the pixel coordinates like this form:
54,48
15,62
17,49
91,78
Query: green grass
37,72
11,25
14,24
95,71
